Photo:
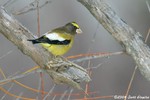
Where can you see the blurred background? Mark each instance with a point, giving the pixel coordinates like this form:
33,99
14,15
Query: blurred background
112,78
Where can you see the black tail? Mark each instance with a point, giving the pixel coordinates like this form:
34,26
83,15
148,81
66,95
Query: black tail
34,41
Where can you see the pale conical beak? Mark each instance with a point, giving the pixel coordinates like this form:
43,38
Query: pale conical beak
78,31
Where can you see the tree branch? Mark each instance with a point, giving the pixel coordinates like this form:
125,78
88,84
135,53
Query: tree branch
60,69
123,33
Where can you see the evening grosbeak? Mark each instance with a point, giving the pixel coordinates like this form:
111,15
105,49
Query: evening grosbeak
58,41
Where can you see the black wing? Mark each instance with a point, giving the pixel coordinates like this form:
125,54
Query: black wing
44,39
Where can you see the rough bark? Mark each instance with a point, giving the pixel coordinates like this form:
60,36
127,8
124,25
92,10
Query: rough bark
60,69
123,33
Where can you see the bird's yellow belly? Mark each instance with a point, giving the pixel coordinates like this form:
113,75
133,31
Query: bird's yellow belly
57,49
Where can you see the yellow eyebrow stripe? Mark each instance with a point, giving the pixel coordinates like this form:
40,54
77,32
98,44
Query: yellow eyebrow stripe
75,24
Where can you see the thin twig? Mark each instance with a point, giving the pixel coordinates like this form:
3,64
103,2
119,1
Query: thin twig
1,71
39,86
63,95
31,7
7,3
20,94
17,77
130,83
94,35
38,19
148,6
9,52
95,56
38,34
87,85
13,95
54,97
99,65
147,36
70,94
50,92
7,91
42,84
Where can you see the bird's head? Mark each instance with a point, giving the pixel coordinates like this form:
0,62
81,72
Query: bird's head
73,28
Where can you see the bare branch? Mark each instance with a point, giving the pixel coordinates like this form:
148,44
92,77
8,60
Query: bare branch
31,7
60,69
123,33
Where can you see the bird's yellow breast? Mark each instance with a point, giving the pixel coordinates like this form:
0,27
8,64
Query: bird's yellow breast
57,49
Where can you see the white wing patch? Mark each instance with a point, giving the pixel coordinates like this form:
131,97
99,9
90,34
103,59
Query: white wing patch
54,36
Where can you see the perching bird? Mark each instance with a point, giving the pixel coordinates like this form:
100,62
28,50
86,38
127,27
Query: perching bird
59,40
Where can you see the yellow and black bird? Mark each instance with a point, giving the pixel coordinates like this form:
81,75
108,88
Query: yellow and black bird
59,40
